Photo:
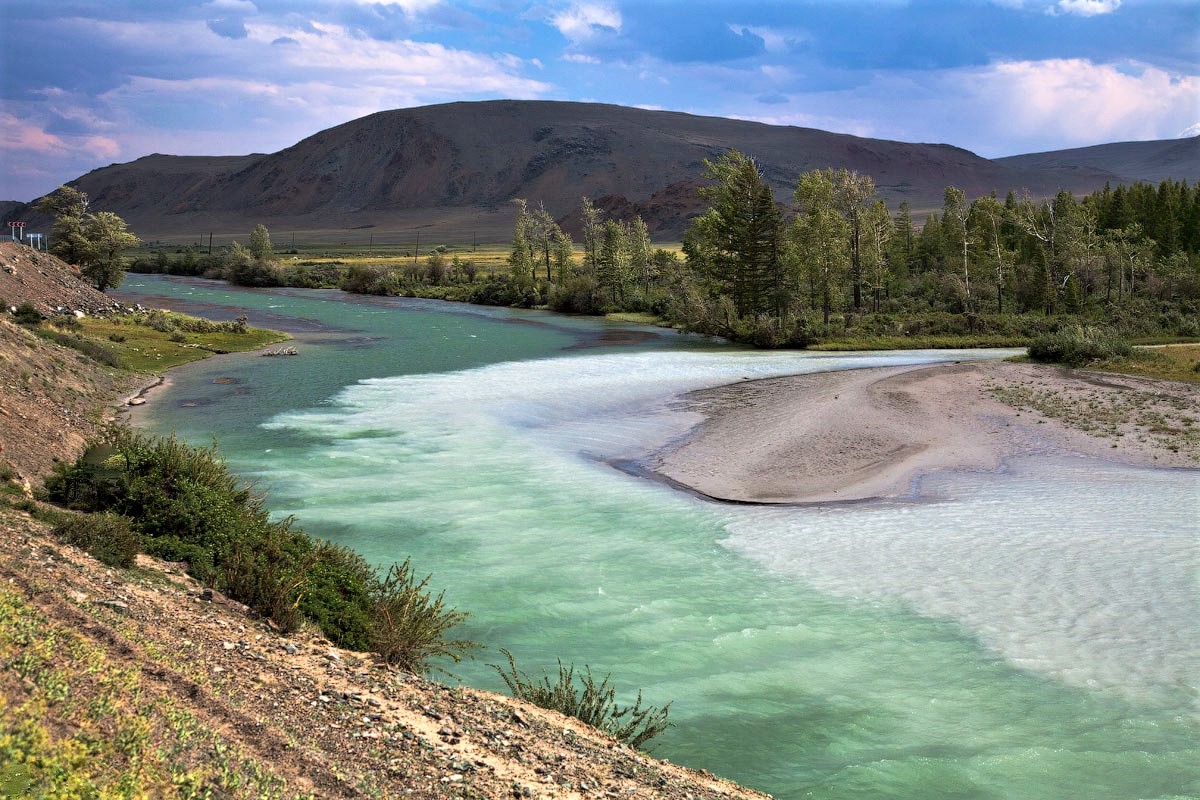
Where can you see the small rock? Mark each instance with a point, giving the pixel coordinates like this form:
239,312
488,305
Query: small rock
290,648
228,645
115,605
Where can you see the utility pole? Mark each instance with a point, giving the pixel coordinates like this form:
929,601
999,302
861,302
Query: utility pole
417,249
210,243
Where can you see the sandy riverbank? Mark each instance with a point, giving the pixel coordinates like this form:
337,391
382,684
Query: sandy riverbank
871,433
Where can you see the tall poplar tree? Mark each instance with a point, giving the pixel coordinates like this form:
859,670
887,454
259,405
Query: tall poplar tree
821,236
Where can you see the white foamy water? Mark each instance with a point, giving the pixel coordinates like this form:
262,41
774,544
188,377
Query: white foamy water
1079,570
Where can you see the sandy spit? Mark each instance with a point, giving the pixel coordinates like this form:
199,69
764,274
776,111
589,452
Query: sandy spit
860,434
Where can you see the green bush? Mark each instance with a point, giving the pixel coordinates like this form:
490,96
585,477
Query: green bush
361,279
108,537
188,506
591,703
411,627
1076,345
92,348
27,314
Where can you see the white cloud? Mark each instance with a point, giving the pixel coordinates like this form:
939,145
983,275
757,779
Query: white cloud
1087,102
1189,131
237,6
408,6
1084,8
583,20
580,58
1004,108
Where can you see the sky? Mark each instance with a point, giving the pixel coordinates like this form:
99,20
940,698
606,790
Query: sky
86,83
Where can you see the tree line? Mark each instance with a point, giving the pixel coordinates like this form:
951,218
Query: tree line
838,262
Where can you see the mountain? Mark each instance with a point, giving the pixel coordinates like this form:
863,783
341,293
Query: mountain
1177,159
454,167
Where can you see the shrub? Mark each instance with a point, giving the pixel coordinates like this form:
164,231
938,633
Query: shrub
188,506
254,272
178,337
411,626
27,314
108,537
160,321
1076,345
369,280
92,348
590,703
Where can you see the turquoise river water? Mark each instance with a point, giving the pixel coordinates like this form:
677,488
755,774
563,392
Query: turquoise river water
1027,633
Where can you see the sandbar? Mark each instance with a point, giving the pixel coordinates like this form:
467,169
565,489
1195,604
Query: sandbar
872,433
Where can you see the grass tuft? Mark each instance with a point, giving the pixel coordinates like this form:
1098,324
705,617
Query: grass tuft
589,702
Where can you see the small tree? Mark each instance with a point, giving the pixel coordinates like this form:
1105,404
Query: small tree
107,236
260,243
93,242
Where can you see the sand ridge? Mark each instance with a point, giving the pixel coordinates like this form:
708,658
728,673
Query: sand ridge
866,433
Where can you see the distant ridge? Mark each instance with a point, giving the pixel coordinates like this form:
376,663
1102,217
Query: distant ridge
456,166
1155,161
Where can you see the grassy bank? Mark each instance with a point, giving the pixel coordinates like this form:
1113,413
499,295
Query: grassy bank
155,341
1173,363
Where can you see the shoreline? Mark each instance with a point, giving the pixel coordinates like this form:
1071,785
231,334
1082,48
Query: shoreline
871,434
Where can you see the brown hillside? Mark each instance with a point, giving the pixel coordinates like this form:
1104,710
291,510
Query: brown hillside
454,166
177,688
52,400
1175,159
27,275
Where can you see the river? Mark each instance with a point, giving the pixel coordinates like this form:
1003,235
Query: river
1027,633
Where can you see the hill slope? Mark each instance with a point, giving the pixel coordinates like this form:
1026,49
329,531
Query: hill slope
142,678
457,164
1176,159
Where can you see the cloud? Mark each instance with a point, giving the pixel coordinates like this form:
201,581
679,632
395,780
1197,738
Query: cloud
1189,131
235,6
407,6
1084,8
582,21
1001,109
1087,102
20,138
229,27
284,40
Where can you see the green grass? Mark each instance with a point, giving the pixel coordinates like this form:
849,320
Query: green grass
1177,363
144,349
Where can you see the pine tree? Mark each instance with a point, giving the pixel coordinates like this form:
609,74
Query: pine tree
736,245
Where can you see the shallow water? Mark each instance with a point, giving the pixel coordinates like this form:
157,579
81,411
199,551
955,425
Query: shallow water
1027,634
